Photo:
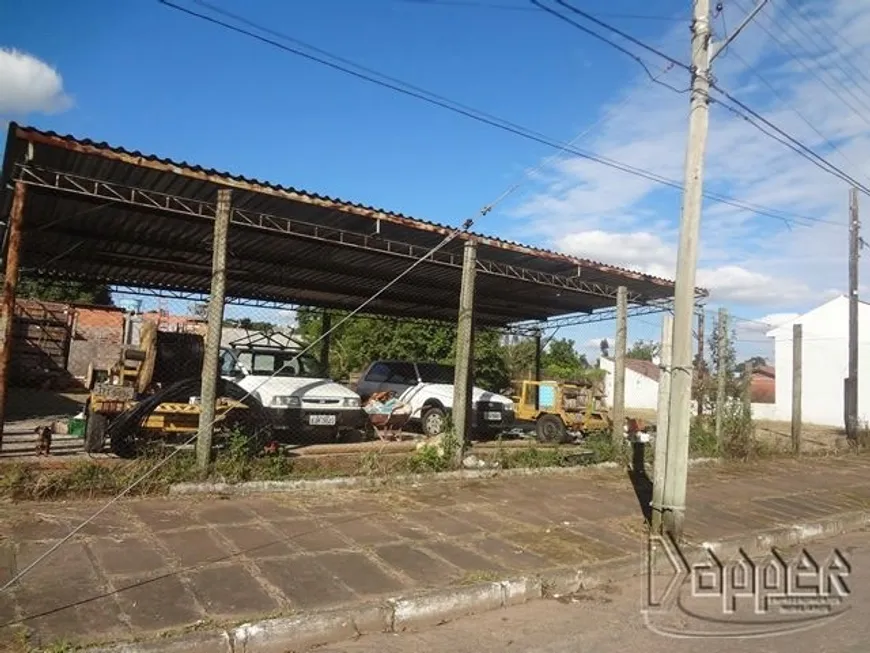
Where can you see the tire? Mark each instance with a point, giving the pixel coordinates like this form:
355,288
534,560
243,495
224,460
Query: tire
551,428
95,432
433,421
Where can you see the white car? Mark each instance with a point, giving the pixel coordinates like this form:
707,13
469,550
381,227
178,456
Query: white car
428,389
293,388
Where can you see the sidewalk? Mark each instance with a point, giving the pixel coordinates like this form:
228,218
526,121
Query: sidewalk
155,566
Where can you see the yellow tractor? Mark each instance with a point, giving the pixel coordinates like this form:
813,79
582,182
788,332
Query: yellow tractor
151,394
561,410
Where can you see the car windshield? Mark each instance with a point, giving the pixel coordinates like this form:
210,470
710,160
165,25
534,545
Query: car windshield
434,373
281,363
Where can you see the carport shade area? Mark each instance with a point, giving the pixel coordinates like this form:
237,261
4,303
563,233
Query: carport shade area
99,213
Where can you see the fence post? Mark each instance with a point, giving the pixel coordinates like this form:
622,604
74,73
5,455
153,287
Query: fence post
721,371
211,355
796,387
618,416
660,460
325,343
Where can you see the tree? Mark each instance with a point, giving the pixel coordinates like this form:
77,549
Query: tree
520,359
605,348
753,363
70,292
361,340
562,362
644,350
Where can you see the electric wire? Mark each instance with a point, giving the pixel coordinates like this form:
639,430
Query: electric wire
496,122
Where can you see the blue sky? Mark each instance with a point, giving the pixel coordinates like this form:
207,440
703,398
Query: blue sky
143,76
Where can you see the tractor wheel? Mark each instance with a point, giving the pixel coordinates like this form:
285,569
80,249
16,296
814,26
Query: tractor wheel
95,431
551,428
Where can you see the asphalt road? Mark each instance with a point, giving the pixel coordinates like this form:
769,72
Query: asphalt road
609,620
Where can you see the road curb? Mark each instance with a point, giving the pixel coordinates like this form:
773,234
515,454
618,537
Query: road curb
266,487
423,609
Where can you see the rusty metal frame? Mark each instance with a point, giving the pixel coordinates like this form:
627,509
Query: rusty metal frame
155,201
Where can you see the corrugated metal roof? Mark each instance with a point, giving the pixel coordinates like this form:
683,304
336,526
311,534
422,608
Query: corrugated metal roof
84,237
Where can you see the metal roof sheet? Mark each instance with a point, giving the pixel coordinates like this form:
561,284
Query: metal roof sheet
285,244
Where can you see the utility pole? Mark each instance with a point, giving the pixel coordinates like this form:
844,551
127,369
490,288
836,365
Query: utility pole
661,446
796,387
851,398
208,392
699,366
684,291
618,435
721,371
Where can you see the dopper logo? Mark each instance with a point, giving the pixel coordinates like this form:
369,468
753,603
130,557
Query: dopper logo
742,596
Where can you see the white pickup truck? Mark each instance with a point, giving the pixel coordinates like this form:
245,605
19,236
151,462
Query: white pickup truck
294,389
428,389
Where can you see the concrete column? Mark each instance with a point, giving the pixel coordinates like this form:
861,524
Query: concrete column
538,355
618,412
464,382
210,363
325,326
660,462
10,285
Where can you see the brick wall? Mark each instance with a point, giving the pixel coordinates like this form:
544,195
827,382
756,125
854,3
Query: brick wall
97,338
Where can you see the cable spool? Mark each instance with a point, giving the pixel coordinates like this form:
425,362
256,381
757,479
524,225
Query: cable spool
168,357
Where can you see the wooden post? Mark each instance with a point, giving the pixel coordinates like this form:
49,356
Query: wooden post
660,461
618,416
463,382
10,285
211,356
796,387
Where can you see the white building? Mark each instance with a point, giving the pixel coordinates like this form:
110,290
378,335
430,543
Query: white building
641,382
825,363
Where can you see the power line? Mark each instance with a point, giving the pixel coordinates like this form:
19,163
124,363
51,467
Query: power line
837,34
837,62
754,70
791,142
471,4
410,90
812,71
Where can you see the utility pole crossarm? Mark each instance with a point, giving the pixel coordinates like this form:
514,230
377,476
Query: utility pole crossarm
718,48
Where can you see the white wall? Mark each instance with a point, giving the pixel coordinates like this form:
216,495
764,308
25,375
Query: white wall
640,391
825,364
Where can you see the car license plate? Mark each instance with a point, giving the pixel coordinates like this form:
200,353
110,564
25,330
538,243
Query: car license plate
492,416
321,420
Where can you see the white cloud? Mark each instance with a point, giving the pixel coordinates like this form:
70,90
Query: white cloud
29,85
593,211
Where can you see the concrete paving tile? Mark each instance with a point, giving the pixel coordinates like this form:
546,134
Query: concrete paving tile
304,582
416,564
161,515
225,512
255,541
194,547
482,519
159,604
127,556
562,546
463,558
59,582
357,571
40,527
308,535
230,591
509,555
441,523
271,509
363,532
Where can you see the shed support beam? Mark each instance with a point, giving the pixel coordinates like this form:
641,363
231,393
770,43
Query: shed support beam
538,355
618,435
208,392
10,285
463,381
325,328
